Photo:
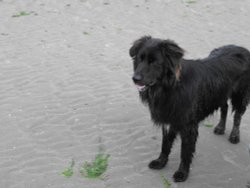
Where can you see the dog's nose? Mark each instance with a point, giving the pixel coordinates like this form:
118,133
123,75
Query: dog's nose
137,77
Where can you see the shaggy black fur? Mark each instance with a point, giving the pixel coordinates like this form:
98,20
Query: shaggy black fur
180,93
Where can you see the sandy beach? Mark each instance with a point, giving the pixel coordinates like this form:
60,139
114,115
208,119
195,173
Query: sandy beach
66,92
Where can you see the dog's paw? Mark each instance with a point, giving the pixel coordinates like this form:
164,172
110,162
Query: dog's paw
219,130
234,139
180,176
158,163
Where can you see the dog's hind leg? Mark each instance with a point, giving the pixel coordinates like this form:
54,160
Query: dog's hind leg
234,137
240,101
220,128
188,144
168,138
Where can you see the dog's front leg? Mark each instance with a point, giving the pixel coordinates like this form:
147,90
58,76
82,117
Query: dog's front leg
168,138
188,142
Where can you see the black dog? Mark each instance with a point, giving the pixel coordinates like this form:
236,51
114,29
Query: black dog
180,93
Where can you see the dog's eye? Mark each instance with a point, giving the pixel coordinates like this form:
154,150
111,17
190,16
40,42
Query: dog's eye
151,59
142,57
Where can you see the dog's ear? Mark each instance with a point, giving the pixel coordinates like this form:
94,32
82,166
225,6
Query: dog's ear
171,49
172,54
137,45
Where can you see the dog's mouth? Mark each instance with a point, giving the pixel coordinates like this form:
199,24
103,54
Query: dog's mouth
142,87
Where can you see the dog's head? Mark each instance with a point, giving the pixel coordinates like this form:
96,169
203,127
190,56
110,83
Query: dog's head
156,61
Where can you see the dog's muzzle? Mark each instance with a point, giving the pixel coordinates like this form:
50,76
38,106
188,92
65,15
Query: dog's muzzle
142,88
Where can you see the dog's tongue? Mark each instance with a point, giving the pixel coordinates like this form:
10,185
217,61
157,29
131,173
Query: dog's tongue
140,87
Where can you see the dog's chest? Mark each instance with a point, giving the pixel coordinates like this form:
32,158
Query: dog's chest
160,109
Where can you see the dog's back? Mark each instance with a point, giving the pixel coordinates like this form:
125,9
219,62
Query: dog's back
232,54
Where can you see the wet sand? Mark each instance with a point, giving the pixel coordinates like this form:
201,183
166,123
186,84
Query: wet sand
66,92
